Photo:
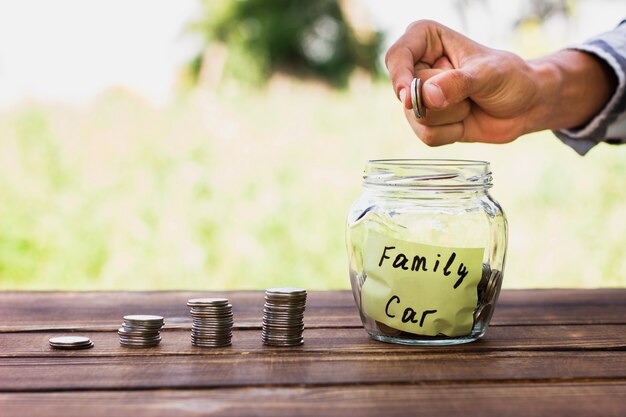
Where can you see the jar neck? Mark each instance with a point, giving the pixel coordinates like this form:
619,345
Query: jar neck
424,195
427,178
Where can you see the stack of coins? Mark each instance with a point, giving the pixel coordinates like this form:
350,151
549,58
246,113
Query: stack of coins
283,316
212,322
139,331
488,290
416,98
493,287
70,342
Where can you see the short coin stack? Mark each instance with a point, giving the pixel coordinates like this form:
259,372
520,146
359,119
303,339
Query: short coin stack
212,322
70,342
283,316
141,331
416,98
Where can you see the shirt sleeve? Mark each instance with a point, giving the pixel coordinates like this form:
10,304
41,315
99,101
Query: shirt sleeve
610,124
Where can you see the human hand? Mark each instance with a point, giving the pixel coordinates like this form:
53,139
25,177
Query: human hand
471,93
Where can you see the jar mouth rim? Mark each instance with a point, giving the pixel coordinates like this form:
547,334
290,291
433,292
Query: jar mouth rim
428,174
427,162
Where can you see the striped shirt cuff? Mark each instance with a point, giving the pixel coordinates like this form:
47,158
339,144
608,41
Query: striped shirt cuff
610,124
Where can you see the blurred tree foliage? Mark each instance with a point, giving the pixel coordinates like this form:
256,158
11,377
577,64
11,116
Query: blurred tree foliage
301,37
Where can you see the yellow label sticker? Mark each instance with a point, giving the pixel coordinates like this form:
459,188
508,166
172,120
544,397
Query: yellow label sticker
421,289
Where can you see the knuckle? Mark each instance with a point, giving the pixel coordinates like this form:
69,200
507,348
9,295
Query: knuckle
499,64
461,80
422,23
457,76
428,136
411,27
393,55
388,54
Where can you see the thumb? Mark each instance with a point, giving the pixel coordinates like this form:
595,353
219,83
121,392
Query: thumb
448,88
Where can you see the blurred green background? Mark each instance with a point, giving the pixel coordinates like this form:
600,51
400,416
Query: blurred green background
242,178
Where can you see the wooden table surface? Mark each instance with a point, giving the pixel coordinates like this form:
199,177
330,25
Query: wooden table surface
548,352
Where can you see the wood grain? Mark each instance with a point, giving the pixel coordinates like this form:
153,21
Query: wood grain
103,310
302,368
548,352
335,341
508,400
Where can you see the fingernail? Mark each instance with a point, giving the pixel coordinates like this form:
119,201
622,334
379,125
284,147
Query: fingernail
434,94
402,95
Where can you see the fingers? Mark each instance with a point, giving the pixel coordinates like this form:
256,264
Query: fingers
438,47
452,114
405,53
443,126
449,87
401,64
425,42
438,112
437,135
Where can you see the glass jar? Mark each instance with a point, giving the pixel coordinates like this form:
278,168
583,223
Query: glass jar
427,245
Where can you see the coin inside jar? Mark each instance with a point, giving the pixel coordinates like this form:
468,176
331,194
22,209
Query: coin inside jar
483,313
416,98
493,286
389,331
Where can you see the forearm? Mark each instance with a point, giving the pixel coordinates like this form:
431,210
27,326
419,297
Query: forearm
572,87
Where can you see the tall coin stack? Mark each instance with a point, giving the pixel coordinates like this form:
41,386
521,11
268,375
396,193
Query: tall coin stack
212,322
139,331
283,316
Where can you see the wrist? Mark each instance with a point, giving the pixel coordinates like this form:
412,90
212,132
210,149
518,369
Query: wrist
549,82
572,88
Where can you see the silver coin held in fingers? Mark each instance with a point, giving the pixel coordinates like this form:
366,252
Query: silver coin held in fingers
416,99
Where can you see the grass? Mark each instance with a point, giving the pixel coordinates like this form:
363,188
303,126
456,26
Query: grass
236,189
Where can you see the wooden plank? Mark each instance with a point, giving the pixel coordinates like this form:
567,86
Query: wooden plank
303,368
336,341
513,400
561,306
103,310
